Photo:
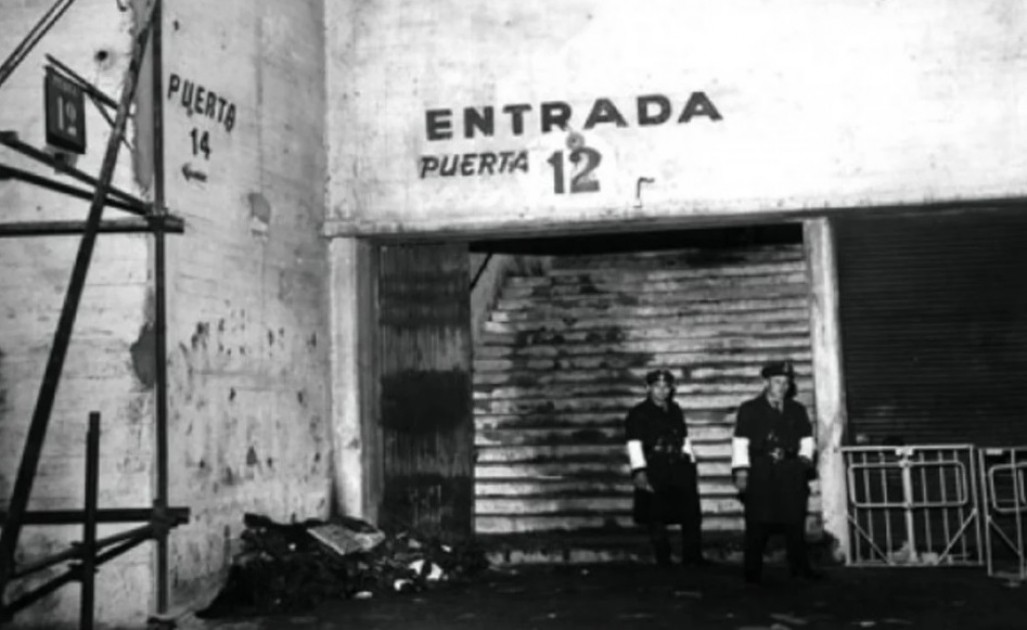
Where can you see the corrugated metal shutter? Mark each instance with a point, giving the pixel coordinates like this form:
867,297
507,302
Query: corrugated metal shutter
425,363
934,326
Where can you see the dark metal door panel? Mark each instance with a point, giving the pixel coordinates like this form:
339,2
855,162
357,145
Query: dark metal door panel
934,326
425,378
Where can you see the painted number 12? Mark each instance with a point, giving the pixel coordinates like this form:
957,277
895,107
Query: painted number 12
583,180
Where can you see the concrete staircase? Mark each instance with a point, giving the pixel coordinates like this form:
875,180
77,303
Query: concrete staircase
562,359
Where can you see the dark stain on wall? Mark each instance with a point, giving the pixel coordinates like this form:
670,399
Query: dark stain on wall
201,334
426,402
430,504
144,360
251,457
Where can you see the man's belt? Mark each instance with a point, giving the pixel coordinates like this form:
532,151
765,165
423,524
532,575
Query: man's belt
775,454
668,454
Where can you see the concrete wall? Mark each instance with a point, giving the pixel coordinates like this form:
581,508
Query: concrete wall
247,338
248,335
817,105
100,372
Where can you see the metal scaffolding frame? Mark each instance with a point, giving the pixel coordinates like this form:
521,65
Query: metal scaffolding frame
154,219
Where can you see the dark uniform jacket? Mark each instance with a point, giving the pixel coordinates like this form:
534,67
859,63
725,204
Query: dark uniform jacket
671,473
778,487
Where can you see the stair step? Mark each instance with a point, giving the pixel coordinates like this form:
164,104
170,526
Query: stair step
589,420
743,370
741,272
614,525
622,403
643,290
581,470
585,546
614,486
583,452
650,292
616,333
683,259
681,318
614,434
651,346
746,387
604,313
528,506
796,352
562,279
504,524
697,420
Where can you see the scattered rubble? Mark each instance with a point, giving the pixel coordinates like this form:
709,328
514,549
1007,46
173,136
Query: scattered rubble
290,568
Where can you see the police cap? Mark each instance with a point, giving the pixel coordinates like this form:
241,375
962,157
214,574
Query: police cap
778,368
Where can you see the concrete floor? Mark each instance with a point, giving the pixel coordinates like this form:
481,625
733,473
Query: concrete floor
641,596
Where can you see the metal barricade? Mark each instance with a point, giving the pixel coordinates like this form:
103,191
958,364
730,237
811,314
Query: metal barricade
1004,478
913,505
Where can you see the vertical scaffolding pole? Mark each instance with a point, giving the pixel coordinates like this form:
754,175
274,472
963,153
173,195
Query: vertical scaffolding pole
62,338
160,306
87,568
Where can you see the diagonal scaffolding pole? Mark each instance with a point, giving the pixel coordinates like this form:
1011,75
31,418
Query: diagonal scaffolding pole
62,337
44,24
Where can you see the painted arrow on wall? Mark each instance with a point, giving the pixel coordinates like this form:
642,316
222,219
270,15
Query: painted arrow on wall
190,174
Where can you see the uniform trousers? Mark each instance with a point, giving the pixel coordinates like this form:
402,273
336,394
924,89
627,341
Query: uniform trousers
691,530
756,536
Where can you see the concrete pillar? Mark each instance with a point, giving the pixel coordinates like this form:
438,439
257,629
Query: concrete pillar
356,473
828,383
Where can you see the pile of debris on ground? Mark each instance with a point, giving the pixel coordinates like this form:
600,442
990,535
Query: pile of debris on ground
288,568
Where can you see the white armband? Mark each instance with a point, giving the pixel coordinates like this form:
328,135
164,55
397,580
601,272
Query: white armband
739,452
686,449
806,447
635,454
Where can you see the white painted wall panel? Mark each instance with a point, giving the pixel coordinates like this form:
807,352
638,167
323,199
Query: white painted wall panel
824,104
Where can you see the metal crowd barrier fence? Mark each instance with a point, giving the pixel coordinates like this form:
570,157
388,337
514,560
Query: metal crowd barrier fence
913,505
1004,475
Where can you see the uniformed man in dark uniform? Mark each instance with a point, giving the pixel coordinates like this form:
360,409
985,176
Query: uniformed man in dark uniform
663,470
772,464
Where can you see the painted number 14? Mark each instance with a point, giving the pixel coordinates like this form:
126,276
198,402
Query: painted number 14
201,142
582,180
